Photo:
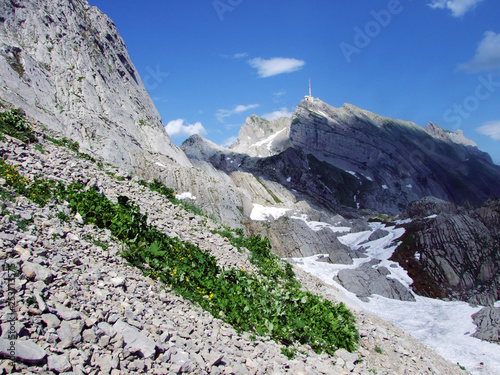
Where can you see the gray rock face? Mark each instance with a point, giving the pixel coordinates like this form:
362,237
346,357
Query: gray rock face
65,64
402,161
293,238
487,321
261,138
367,280
454,252
349,158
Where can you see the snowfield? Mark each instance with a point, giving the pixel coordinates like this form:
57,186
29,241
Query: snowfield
444,326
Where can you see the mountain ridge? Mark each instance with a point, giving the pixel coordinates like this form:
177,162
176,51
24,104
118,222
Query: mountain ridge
395,161
65,64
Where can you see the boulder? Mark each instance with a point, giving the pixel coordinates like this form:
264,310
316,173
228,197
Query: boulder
25,351
134,340
367,280
487,321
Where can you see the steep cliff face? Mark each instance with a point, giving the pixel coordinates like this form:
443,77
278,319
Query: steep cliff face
65,64
260,137
401,161
453,252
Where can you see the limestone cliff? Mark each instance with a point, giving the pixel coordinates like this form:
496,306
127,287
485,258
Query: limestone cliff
64,63
260,137
395,161
453,252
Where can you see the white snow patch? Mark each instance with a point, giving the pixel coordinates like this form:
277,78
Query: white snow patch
409,186
268,140
432,216
384,187
288,179
186,195
444,326
369,178
351,172
405,221
160,164
261,213
319,225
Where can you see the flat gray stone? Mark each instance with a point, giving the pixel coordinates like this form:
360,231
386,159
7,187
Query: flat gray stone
58,363
25,351
66,313
70,333
212,358
51,320
12,331
134,340
37,272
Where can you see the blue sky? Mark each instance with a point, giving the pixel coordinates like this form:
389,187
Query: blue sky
208,64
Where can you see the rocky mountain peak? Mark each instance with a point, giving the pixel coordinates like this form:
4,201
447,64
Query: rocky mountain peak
448,136
395,161
261,138
65,64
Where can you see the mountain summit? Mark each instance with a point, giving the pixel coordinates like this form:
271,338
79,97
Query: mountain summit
362,160
66,65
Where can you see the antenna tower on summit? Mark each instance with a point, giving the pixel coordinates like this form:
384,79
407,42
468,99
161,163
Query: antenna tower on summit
309,97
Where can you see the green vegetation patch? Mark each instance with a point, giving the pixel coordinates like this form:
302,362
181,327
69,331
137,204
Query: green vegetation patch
14,123
269,191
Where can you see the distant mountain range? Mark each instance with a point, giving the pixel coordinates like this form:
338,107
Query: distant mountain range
356,159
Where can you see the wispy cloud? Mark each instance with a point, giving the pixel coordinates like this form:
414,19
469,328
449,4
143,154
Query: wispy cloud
177,128
240,55
223,113
279,94
277,65
487,54
458,7
491,129
283,112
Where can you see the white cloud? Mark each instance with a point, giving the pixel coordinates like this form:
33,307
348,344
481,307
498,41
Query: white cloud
491,129
458,7
283,112
487,54
229,141
240,55
279,94
177,128
223,113
277,65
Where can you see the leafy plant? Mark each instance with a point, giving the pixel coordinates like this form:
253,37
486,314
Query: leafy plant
14,123
62,216
63,141
23,224
102,245
269,304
